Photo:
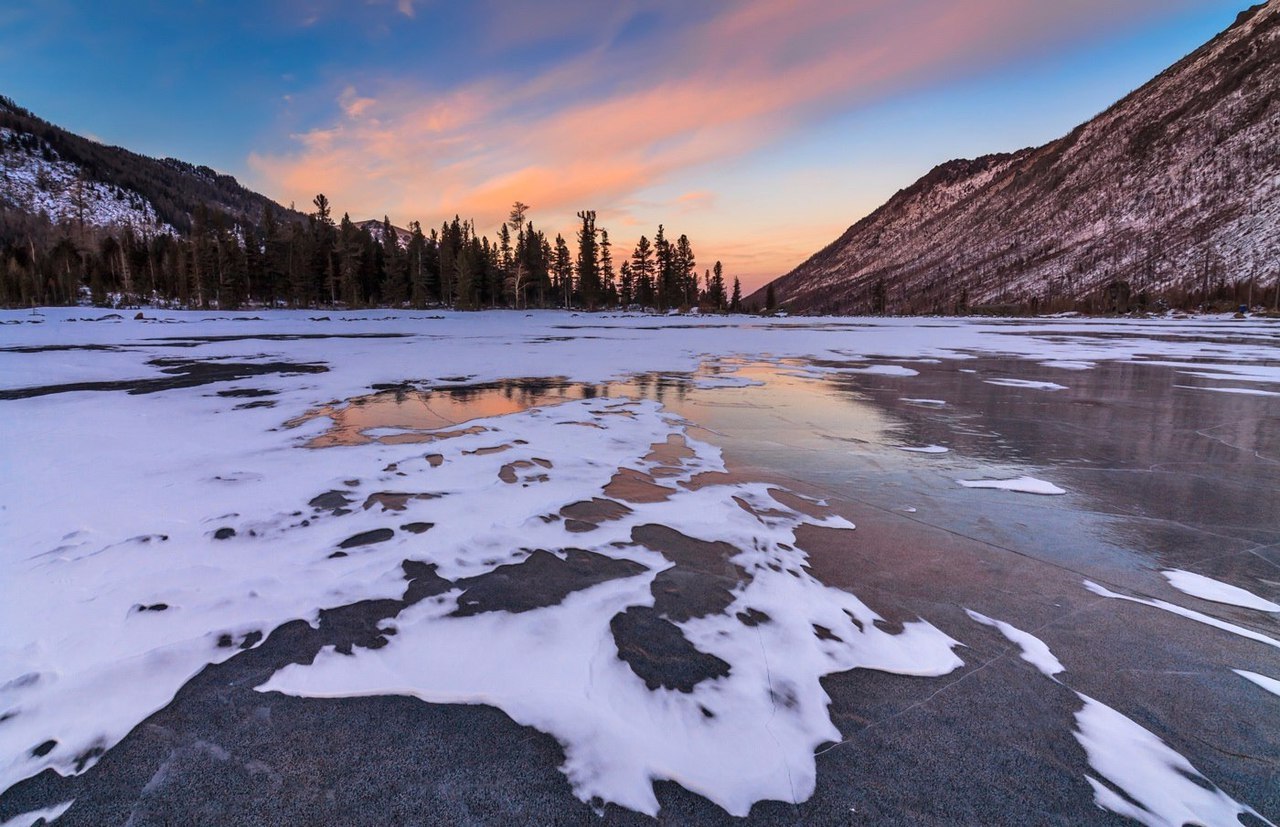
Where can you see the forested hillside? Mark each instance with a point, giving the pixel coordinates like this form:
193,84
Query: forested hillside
1170,197
80,222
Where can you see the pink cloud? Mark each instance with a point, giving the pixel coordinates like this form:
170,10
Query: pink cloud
602,127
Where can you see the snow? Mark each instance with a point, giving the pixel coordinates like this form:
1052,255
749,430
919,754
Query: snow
1191,614
880,370
934,402
56,187
49,814
1069,364
1244,391
1161,788
1026,383
1206,588
1270,684
1034,650
110,500
924,449
1024,484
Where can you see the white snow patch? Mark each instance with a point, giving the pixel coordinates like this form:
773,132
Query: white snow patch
1242,391
557,669
1206,588
1270,684
1068,364
880,370
1190,614
49,814
1026,383
1167,789
924,449
1024,484
1034,650
934,402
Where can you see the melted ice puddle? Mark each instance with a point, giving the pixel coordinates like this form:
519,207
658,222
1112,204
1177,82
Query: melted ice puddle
1206,588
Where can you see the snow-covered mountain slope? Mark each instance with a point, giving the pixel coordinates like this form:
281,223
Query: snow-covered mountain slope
34,179
374,227
1174,189
46,169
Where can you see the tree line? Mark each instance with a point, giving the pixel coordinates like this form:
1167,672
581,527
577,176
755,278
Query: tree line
314,260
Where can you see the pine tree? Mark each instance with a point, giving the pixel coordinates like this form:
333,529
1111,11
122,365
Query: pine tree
417,269
715,289
664,278
350,259
589,286
608,280
395,274
626,286
518,272
642,270
735,303
684,273
563,272
770,299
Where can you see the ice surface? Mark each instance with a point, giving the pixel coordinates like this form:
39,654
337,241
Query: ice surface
1191,614
111,502
1026,485
924,449
1270,684
935,402
1160,787
1206,588
1034,650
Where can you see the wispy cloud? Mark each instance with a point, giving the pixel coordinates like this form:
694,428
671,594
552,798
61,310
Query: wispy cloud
603,125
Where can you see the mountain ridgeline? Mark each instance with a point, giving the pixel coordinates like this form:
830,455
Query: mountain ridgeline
85,222
1169,197
70,177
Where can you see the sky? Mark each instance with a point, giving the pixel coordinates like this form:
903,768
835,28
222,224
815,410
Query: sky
759,128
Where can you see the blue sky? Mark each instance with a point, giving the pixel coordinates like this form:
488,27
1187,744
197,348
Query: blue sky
761,128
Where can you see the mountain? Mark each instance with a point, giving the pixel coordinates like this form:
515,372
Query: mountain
1171,194
47,170
374,227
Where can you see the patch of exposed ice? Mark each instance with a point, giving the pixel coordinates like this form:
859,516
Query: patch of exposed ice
1027,383
1160,787
923,449
1270,684
1034,650
1206,588
1024,484
1190,614
1068,364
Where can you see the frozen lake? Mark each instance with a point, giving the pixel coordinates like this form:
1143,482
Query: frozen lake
503,568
